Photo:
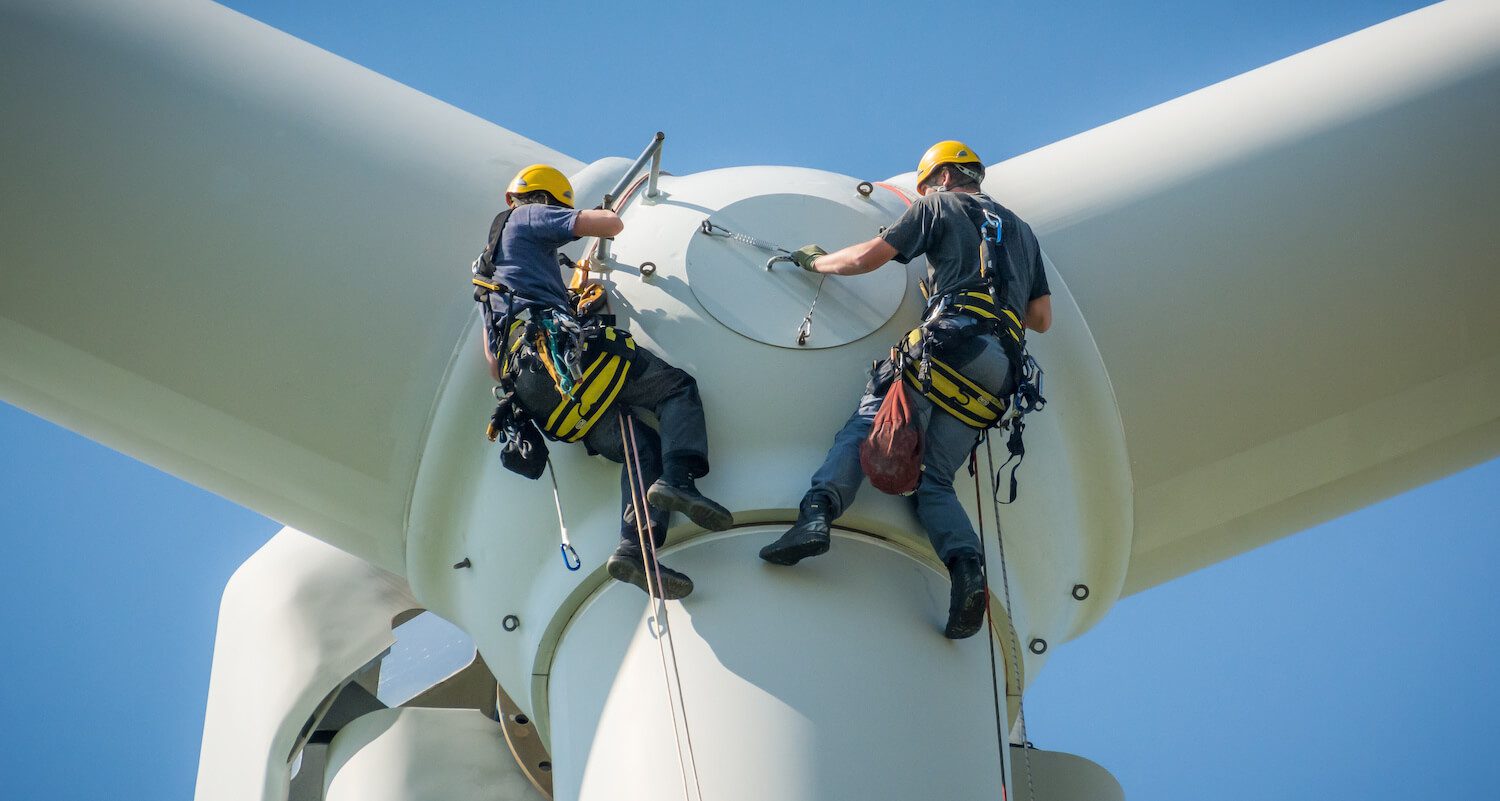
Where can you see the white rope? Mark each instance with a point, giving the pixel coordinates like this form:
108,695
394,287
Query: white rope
1015,638
660,623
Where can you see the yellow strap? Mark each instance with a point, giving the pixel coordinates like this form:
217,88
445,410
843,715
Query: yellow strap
596,390
955,394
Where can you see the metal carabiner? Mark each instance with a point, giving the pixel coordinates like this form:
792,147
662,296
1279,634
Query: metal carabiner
570,557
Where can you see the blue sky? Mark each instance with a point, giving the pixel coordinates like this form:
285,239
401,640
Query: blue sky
1354,660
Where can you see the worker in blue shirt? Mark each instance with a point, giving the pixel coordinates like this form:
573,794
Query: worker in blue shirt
523,252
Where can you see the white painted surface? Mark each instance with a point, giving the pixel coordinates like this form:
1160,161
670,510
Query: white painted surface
235,256
1291,276
1056,776
829,681
423,755
298,618
730,280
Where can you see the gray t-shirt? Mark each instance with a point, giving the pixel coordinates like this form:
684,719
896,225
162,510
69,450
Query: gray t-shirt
945,227
526,259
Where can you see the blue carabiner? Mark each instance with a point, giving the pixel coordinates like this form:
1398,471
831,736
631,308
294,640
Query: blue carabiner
570,557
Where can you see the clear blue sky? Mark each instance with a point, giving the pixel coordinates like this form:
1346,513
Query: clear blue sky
1354,660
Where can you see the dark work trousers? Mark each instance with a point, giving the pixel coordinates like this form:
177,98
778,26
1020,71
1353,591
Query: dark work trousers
947,445
679,446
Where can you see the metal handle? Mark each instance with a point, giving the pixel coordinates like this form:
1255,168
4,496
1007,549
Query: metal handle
651,153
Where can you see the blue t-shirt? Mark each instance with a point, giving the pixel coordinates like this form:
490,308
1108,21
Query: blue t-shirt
526,258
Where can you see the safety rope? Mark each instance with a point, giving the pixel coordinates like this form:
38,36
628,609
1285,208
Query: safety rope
569,556
1015,639
661,625
1000,736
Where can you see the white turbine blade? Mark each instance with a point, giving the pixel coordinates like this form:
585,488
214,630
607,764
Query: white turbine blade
236,256
1291,276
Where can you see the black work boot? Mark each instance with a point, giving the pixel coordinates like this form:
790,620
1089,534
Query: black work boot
682,496
967,597
807,537
627,565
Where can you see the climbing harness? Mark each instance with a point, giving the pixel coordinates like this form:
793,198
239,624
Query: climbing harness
661,627
541,373
569,556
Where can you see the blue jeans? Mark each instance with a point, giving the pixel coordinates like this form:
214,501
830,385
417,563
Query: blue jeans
948,444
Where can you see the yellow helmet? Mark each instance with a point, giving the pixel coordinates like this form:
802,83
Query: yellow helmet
949,152
543,177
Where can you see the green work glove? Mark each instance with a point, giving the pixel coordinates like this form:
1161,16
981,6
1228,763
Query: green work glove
805,256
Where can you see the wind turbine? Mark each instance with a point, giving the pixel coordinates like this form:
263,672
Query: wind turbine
334,205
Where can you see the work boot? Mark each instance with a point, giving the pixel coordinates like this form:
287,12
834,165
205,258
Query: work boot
682,496
967,597
807,537
627,565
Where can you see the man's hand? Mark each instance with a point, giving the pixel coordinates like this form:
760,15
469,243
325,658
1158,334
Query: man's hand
806,255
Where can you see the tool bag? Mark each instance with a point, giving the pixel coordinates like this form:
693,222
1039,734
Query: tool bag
522,449
891,456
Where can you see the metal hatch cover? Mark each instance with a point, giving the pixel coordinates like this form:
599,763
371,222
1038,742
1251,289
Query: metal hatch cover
730,278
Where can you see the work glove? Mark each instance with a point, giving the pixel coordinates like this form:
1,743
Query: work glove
805,256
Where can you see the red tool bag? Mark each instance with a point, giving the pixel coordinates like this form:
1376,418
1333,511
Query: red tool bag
892,455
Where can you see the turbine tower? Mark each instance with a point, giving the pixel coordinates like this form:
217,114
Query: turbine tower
281,316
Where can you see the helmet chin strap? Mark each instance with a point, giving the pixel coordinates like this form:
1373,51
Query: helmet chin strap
974,174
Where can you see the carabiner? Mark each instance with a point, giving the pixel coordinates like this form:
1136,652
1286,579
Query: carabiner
570,557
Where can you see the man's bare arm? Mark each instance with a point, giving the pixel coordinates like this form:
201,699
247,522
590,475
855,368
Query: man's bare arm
597,222
490,357
856,259
1039,314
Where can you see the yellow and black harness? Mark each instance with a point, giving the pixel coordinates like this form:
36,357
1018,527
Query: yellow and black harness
943,384
567,407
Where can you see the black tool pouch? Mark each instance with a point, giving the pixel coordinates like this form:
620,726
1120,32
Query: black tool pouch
522,448
882,373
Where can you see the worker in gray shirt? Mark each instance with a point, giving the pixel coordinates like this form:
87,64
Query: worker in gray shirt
965,329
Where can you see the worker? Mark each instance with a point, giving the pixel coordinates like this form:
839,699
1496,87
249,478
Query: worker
525,267
944,224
